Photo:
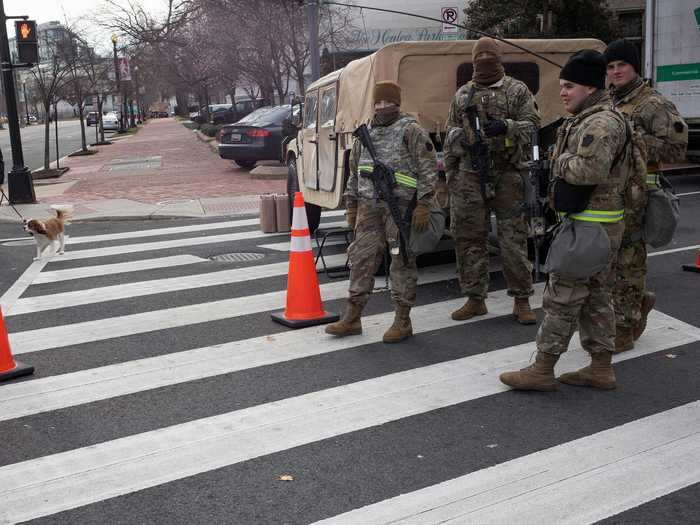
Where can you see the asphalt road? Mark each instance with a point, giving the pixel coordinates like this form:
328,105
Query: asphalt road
33,142
136,426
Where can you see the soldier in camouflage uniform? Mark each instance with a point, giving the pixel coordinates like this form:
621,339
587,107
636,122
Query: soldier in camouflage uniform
665,136
592,154
404,146
509,116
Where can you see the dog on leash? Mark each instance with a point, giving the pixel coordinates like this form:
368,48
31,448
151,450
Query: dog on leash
49,233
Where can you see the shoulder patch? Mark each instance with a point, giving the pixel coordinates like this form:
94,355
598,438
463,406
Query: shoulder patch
587,141
429,146
678,126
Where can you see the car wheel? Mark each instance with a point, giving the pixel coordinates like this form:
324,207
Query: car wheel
313,212
245,164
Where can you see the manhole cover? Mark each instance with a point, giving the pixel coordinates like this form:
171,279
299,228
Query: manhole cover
19,243
238,257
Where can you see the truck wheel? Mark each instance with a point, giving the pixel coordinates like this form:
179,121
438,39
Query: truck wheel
313,212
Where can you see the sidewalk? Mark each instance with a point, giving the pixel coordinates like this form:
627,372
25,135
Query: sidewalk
162,171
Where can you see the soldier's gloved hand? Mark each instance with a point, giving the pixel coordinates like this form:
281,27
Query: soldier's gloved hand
351,213
421,216
496,127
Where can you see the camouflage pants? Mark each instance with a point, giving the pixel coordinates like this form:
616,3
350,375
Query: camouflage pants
630,276
374,230
585,304
469,224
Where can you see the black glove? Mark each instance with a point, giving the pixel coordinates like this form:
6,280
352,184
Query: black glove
496,127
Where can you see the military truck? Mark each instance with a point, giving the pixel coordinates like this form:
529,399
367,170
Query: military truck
429,74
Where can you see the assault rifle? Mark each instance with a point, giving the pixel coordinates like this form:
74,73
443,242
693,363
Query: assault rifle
536,198
384,180
479,152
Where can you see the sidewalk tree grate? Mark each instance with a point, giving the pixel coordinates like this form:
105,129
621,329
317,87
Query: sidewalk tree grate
134,164
238,257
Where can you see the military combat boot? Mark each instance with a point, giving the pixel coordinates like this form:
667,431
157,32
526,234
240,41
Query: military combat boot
648,302
599,374
522,310
402,328
350,324
471,308
538,376
624,340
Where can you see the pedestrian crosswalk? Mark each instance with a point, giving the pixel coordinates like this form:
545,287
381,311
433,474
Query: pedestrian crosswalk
165,394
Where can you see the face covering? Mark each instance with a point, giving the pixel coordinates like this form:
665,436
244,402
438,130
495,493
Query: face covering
488,70
386,116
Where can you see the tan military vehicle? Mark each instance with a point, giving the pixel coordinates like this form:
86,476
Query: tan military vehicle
429,74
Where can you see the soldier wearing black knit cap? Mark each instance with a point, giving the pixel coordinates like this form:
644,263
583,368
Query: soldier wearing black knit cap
665,136
590,166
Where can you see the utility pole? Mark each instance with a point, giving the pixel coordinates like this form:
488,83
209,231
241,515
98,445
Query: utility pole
312,14
19,180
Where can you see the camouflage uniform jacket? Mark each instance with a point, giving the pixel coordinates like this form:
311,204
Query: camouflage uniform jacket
591,149
403,146
664,131
509,100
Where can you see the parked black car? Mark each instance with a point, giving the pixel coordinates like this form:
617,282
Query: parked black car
92,118
256,137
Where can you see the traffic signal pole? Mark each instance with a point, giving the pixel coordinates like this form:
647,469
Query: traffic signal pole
19,180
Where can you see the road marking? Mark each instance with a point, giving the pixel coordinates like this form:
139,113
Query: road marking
39,303
116,268
8,299
178,229
675,250
162,245
101,329
582,481
85,386
689,193
67,480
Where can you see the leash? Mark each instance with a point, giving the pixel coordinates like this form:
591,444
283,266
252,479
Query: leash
3,195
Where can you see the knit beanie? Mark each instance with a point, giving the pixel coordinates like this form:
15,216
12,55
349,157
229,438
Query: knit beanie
486,45
623,50
388,91
586,67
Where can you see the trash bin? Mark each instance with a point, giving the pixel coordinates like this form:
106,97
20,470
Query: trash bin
283,215
268,214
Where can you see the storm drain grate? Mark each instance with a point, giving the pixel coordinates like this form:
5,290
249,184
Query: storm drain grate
238,257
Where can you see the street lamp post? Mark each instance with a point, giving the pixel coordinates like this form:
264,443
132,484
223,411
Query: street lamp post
116,73
19,180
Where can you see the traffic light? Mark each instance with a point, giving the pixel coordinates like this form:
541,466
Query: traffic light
27,41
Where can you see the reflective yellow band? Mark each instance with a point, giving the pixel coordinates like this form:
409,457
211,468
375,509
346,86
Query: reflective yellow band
652,179
401,178
598,216
406,180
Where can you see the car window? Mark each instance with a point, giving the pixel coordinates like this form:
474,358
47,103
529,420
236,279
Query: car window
327,118
310,110
254,115
276,116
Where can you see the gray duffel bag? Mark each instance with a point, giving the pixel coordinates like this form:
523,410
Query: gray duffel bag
427,241
661,215
579,250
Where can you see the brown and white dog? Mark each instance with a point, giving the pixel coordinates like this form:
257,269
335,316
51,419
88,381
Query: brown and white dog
49,233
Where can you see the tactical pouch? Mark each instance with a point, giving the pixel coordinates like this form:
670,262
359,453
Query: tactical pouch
661,215
570,198
579,250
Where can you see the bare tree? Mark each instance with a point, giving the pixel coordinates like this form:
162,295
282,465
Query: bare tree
49,79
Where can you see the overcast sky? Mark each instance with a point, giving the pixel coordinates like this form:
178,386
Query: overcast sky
46,10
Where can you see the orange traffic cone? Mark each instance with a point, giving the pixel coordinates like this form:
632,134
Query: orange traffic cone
9,368
304,307
690,267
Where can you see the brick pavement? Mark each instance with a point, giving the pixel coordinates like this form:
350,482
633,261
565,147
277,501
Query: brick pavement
188,170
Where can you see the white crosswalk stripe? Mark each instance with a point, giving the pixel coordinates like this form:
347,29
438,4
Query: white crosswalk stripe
624,465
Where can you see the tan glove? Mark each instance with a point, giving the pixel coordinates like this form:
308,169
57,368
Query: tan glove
351,213
421,216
